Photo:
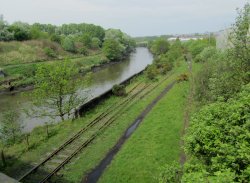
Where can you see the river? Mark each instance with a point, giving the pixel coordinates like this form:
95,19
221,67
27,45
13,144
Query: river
102,81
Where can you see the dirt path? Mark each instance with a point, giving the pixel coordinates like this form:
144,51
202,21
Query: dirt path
187,112
95,174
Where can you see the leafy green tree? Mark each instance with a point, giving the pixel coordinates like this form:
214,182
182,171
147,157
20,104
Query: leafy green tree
127,43
21,31
68,44
56,93
95,43
6,35
206,54
86,40
160,46
35,33
224,74
240,39
10,127
151,72
113,50
56,38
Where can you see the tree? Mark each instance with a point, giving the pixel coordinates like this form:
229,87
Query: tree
95,43
5,34
240,40
10,128
68,44
126,42
151,72
113,49
56,38
56,92
86,40
21,31
160,46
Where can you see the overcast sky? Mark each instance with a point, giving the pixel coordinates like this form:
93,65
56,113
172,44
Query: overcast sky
135,17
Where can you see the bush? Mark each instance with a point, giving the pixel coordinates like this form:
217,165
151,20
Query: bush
182,77
113,50
56,38
151,72
95,43
69,45
49,52
83,50
206,54
160,46
219,136
171,173
119,90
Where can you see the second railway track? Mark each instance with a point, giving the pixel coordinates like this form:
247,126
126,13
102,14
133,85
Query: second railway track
43,171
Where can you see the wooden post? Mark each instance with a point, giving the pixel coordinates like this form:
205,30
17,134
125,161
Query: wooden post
3,159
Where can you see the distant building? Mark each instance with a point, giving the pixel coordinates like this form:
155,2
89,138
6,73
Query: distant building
222,39
183,38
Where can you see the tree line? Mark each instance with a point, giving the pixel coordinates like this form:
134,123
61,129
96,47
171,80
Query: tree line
75,38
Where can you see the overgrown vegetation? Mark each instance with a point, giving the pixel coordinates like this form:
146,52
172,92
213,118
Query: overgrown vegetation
22,46
217,142
166,55
119,90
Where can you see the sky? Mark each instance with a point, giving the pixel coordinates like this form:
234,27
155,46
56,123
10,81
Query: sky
135,17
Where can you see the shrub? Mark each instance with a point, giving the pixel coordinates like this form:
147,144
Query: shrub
206,54
151,72
83,50
171,173
219,136
56,38
182,77
119,90
49,52
68,44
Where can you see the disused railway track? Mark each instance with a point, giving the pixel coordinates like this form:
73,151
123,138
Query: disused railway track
105,119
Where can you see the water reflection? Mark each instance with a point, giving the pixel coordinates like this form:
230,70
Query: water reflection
103,80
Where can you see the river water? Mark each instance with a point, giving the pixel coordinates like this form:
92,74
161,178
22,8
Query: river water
102,81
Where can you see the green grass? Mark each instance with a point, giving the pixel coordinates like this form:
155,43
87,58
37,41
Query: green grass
16,52
23,74
20,157
154,143
92,155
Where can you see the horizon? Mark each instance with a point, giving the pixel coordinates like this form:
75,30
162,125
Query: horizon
138,18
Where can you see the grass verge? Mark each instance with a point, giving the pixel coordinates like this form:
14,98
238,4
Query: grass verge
156,141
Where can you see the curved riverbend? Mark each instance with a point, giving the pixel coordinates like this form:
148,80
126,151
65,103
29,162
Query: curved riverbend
103,80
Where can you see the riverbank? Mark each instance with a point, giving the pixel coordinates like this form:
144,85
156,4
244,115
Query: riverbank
19,83
102,81
21,76
95,67
89,158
